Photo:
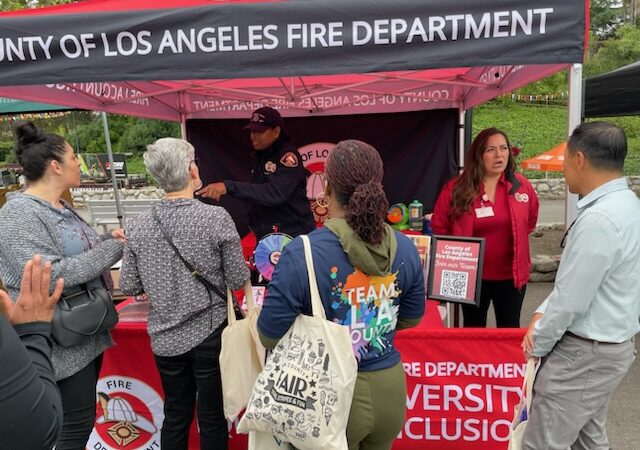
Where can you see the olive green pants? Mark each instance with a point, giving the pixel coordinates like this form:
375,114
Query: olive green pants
377,410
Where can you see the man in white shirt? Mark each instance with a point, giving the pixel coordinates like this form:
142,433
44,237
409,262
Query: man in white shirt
584,331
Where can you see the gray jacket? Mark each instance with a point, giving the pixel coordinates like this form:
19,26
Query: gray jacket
30,226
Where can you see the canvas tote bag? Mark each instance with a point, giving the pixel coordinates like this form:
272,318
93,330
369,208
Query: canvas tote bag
523,408
265,441
241,356
303,395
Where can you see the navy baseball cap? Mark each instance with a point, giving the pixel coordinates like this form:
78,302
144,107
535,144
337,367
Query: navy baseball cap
263,119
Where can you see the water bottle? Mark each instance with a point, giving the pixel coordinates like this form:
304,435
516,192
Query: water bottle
415,215
426,225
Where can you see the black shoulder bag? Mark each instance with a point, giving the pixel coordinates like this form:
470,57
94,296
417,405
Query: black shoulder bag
83,313
194,272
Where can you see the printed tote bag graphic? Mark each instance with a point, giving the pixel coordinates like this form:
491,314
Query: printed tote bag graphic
241,356
303,395
523,408
265,441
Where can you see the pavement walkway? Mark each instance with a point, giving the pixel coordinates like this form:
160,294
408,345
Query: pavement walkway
551,211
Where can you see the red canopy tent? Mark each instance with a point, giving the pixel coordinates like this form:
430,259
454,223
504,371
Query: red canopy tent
192,59
183,59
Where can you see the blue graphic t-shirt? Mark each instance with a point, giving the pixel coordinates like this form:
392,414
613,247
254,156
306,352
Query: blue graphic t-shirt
369,305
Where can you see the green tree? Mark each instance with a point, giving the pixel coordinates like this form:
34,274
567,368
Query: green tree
605,17
143,132
128,134
11,5
620,50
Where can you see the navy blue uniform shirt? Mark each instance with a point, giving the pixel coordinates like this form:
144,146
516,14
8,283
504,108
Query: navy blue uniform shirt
277,192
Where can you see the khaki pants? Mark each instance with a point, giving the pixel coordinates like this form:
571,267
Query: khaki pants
572,392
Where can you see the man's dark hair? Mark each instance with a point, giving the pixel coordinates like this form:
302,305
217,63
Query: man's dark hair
603,144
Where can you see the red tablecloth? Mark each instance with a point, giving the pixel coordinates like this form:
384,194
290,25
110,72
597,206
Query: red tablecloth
462,385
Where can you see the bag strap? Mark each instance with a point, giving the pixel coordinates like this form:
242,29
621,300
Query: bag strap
527,383
317,309
194,272
231,303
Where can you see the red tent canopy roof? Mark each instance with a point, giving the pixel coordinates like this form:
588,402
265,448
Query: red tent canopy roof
160,85
87,6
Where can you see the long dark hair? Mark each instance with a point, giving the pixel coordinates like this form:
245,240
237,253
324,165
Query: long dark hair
354,173
35,149
467,186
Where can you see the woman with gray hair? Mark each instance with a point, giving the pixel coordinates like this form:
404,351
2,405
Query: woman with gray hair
186,314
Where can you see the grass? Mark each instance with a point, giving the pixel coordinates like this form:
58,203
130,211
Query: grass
538,128
135,165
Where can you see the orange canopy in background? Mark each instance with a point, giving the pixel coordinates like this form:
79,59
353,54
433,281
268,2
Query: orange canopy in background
549,161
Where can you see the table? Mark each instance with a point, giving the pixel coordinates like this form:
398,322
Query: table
462,386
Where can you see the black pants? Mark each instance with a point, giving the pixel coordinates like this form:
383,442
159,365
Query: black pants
78,394
184,376
507,303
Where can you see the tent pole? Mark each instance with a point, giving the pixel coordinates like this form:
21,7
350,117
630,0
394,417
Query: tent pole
575,115
75,130
183,126
107,139
183,115
468,128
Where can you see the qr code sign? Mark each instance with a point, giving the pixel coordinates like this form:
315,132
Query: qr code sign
454,284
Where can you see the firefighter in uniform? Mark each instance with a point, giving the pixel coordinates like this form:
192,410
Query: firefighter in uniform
277,190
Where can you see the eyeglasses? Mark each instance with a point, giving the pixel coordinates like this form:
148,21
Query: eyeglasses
563,242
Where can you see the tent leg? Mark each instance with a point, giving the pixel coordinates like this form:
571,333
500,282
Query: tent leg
107,139
183,115
183,126
575,116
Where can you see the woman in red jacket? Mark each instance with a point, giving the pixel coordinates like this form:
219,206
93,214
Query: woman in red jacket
490,200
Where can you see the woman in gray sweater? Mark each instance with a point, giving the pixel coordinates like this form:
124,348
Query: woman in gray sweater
186,318
38,221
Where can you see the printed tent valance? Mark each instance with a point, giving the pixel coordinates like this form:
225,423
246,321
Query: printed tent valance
184,59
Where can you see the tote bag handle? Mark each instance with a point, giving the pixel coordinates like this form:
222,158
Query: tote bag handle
248,296
527,383
317,309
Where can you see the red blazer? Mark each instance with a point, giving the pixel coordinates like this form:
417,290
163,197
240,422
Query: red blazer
523,206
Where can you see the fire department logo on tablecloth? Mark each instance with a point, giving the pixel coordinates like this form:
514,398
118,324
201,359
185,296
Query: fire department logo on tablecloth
128,415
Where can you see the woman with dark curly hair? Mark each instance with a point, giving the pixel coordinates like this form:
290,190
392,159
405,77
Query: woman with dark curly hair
369,278
490,200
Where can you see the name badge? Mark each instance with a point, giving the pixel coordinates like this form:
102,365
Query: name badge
485,211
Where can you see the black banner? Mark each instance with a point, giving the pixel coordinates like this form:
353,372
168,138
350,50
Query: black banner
418,150
615,93
296,37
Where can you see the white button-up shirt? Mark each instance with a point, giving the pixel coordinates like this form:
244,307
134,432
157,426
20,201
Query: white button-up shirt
597,288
